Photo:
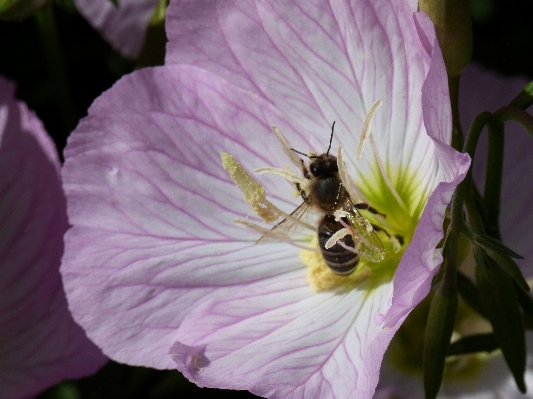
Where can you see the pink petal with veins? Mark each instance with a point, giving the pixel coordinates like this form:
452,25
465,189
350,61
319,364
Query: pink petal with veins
40,344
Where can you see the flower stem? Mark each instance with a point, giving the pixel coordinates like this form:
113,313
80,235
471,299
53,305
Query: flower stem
525,98
510,113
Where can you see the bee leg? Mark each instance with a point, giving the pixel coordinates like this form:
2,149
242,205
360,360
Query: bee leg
366,207
301,191
397,236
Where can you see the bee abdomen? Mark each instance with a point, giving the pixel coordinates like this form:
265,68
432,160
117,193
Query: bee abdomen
339,259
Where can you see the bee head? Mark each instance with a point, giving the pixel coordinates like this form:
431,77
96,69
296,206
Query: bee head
323,165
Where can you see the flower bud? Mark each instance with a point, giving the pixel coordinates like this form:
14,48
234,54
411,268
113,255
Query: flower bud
454,31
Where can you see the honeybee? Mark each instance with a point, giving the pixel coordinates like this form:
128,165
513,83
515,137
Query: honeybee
327,195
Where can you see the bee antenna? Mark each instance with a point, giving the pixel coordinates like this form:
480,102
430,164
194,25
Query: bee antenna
298,152
330,138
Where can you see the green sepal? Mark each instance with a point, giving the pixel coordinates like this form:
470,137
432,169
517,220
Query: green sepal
470,294
493,244
510,267
528,321
454,31
114,2
441,319
501,305
474,344
526,302
437,337
524,99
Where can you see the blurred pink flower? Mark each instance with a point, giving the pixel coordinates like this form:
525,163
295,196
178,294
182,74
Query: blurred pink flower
124,25
480,377
154,260
40,344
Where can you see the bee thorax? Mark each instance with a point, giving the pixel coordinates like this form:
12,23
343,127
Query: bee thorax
327,193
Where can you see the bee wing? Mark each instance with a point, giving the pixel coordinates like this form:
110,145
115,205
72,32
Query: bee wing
370,245
286,228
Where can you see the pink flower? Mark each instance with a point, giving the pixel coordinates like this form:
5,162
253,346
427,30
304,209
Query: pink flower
155,262
40,344
124,25
480,376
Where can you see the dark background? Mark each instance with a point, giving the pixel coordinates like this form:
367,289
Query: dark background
60,83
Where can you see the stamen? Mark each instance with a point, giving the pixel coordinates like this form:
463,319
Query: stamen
286,147
254,193
366,129
396,246
337,237
354,192
268,233
285,173
347,247
339,214
360,221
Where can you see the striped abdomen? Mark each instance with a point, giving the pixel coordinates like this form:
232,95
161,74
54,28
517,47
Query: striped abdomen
340,260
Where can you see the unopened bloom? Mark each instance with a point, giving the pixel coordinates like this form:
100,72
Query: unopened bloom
123,25
40,344
156,269
478,375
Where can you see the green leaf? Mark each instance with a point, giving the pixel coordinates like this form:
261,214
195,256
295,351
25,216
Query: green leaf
525,98
473,344
493,244
501,305
510,267
115,2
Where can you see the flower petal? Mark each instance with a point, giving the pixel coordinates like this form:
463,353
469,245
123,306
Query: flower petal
421,259
322,61
279,340
153,210
483,90
40,344
123,25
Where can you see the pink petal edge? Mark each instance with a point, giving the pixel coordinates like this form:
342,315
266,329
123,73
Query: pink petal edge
40,343
421,259
124,25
